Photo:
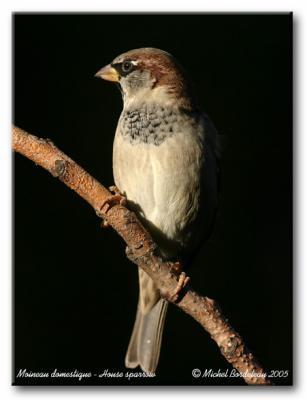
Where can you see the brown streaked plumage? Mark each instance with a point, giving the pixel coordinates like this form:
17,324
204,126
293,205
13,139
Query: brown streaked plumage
165,162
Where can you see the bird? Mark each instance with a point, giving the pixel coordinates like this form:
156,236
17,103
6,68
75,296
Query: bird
166,164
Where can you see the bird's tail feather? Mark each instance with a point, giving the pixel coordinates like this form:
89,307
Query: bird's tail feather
145,342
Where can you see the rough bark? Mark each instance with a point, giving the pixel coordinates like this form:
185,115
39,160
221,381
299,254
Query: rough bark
143,252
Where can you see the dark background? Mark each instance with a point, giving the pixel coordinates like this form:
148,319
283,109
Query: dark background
75,291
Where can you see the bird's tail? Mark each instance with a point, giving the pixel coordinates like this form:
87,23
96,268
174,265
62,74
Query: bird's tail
145,342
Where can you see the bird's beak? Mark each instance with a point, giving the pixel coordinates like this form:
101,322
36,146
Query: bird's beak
108,73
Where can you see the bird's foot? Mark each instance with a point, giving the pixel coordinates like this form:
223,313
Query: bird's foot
177,267
182,282
114,199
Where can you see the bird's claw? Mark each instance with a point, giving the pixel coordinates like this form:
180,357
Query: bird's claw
109,202
182,282
115,199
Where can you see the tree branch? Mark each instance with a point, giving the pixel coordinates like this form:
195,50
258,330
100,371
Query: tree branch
143,252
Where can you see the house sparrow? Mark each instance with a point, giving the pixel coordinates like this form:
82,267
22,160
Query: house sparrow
165,163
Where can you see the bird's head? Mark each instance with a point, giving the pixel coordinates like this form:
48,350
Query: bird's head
148,74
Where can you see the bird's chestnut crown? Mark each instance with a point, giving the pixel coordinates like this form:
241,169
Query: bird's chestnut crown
146,70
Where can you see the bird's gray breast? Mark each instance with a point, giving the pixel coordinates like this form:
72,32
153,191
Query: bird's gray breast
159,168
149,124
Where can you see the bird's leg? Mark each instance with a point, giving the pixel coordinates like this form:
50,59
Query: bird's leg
182,282
112,200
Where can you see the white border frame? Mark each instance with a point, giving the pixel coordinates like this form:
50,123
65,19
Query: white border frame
300,198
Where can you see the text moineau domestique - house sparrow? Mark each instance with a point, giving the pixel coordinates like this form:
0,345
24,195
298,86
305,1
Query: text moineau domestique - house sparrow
165,163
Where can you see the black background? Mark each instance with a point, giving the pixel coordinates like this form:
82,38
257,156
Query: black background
75,291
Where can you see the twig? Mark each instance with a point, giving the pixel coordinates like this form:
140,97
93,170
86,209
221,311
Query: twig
143,252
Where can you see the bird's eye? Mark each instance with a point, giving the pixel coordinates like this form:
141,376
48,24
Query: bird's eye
127,66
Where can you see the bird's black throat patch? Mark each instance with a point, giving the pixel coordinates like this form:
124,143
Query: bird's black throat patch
151,125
